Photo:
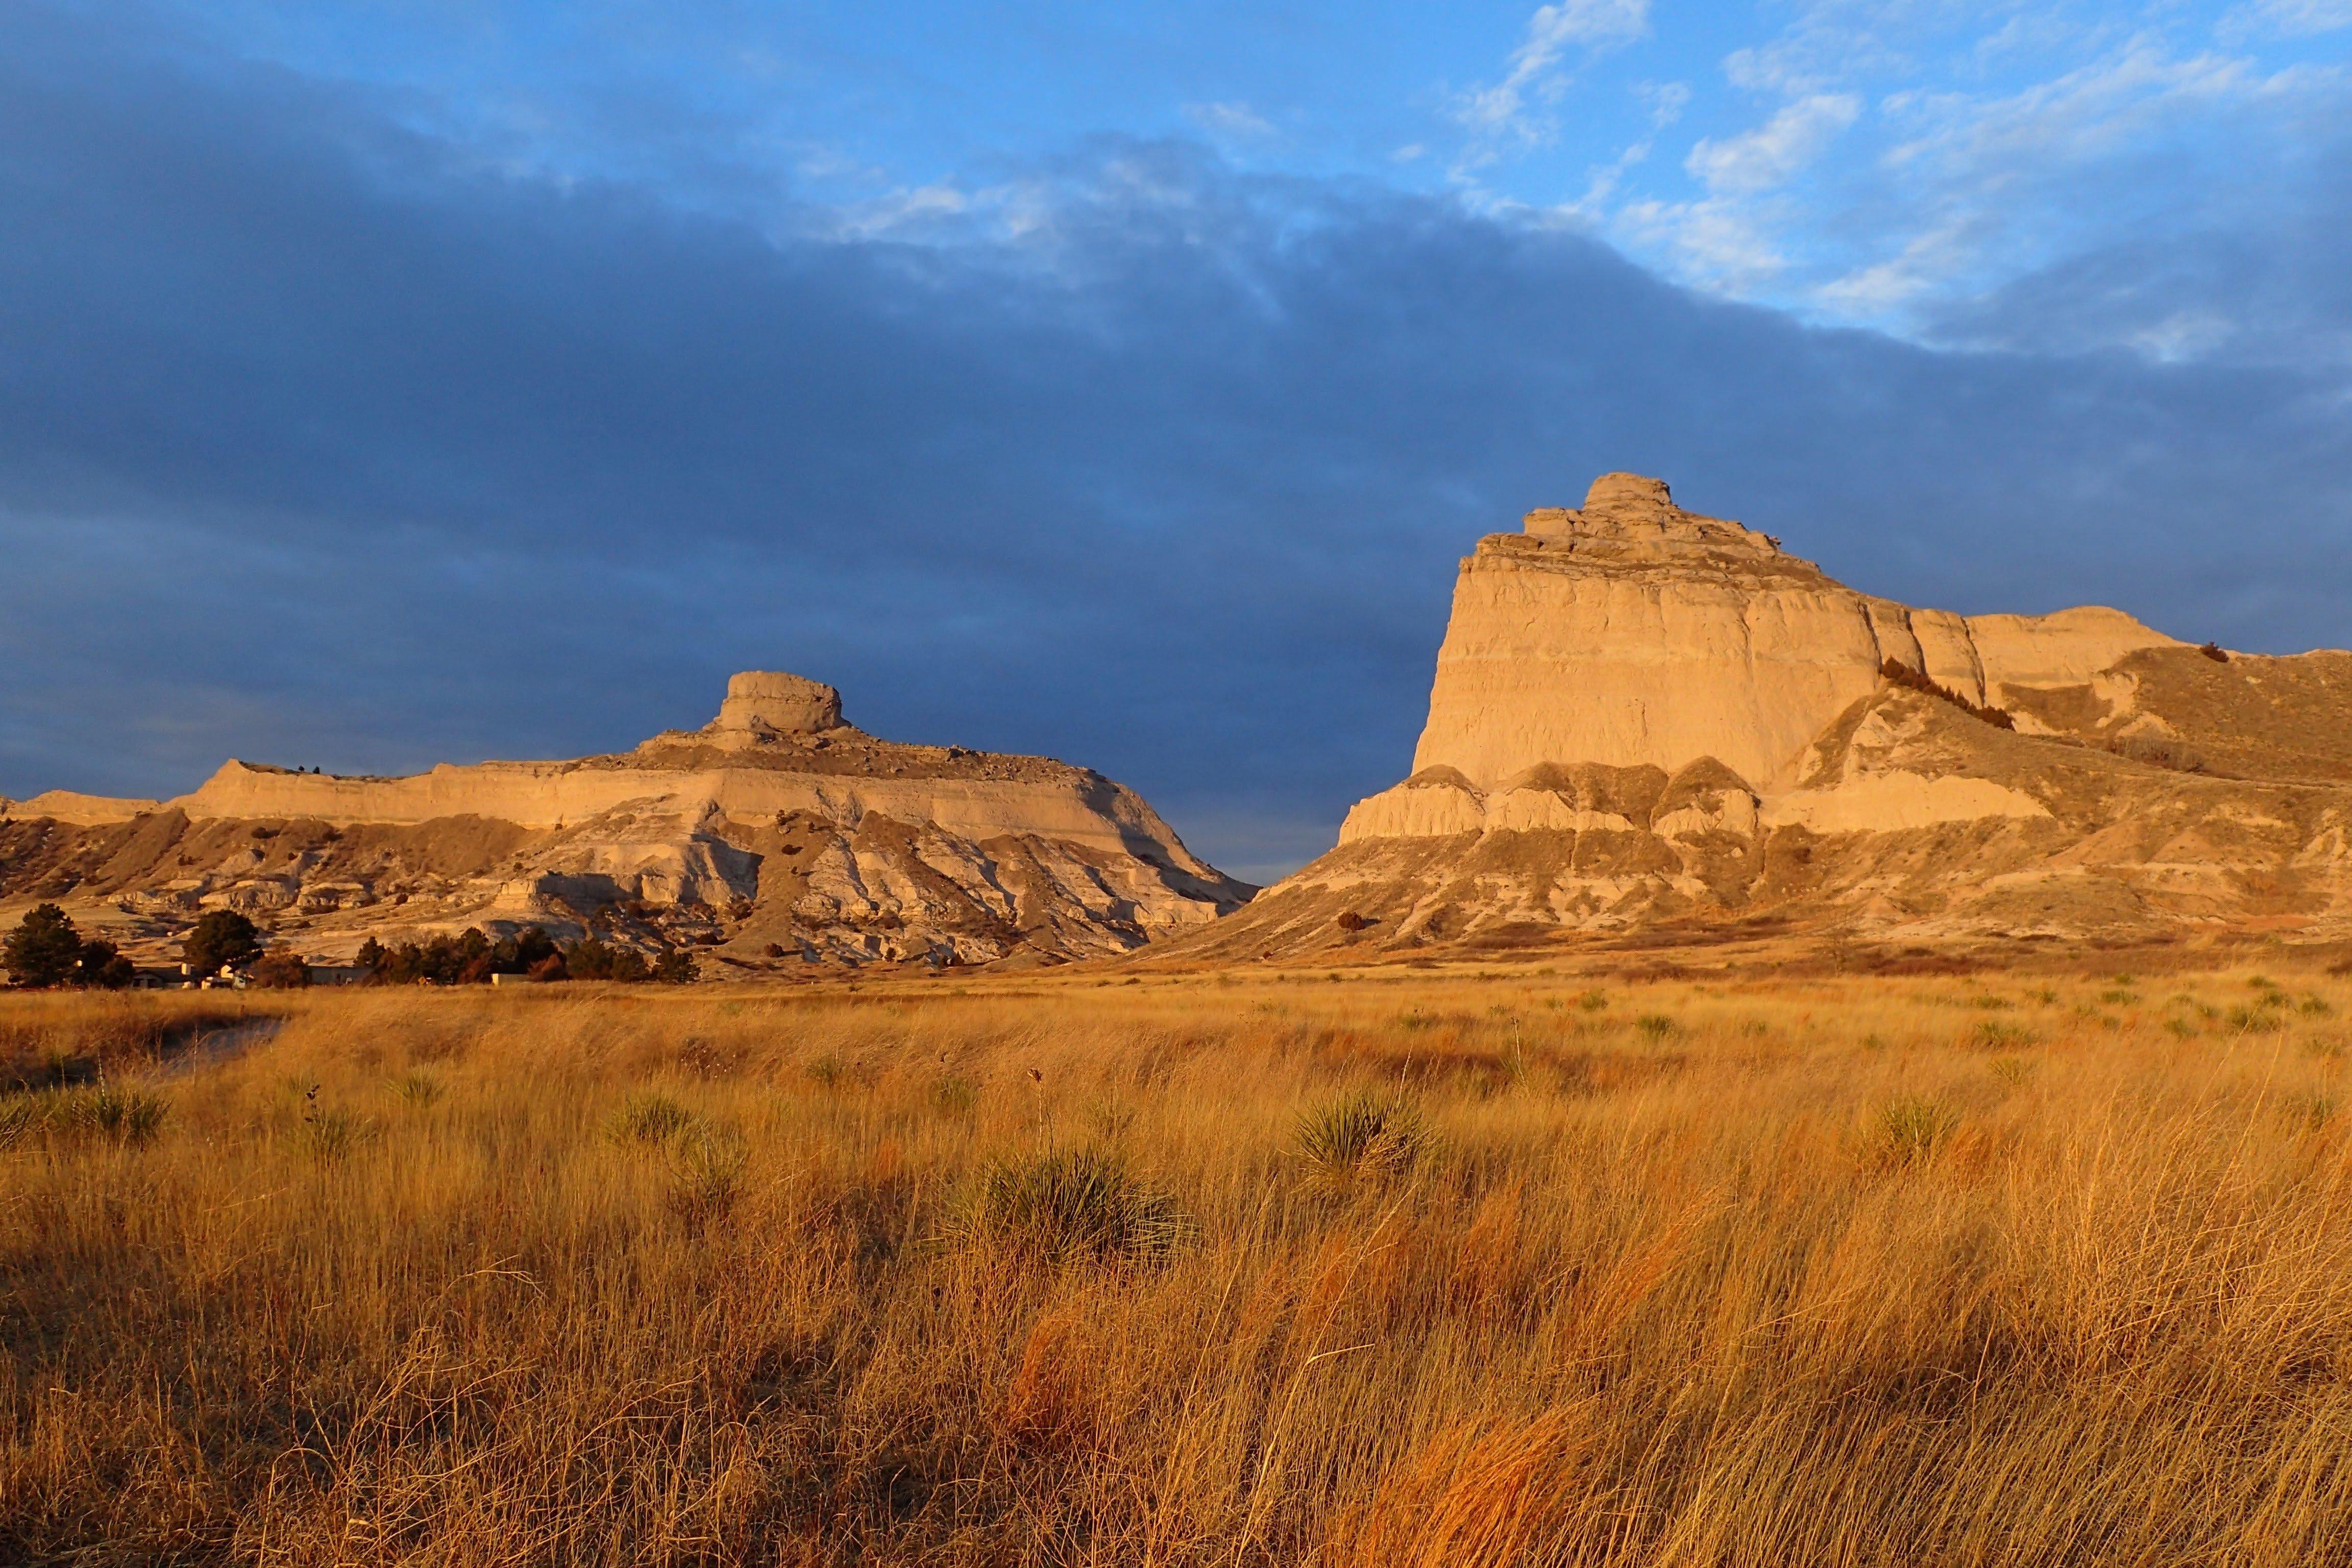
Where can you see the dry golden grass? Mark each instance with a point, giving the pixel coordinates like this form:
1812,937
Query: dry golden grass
1395,1271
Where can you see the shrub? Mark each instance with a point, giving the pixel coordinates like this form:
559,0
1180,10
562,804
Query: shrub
280,969
676,968
1654,1027
1903,675
2159,751
2213,651
90,1112
469,958
101,967
1994,1035
590,959
1071,1205
1365,1134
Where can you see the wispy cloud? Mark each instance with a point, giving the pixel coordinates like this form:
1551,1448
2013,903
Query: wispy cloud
1517,108
1775,152
1229,119
2284,20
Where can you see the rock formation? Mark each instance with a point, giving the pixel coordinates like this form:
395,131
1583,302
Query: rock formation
776,836
1641,714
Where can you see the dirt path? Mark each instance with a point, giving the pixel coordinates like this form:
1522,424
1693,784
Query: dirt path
210,1047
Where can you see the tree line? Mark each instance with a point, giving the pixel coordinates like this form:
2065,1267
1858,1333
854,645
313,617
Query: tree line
46,952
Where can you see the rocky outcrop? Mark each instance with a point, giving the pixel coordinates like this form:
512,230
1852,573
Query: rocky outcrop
763,704
776,837
1643,715
81,810
1630,632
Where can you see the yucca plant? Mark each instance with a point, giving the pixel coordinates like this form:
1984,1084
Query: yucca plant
706,1176
330,1136
1912,1128
1365,1136
418,1087
647,1120
1066,1204
124,1115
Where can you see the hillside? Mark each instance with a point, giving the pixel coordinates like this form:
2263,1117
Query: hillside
774,838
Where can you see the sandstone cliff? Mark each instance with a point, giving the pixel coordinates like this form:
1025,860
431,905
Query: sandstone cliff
1644,715
775,837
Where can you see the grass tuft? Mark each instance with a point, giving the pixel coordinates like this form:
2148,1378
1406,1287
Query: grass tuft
1066,1204
1912,1129
647,1119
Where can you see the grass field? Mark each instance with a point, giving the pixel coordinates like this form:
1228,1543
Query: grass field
1414,1268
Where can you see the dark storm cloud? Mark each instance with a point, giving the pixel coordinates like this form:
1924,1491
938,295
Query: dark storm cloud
321,443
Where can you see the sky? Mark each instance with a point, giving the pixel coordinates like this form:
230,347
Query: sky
389,383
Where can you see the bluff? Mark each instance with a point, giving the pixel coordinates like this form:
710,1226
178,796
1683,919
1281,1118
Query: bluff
775,837
1642,715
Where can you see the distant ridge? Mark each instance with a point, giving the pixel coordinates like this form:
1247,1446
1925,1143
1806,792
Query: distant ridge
774,838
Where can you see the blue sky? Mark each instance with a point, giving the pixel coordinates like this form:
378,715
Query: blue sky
387,384
1867,163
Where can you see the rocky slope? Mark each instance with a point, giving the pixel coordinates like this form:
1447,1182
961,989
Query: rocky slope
1642,715
775,837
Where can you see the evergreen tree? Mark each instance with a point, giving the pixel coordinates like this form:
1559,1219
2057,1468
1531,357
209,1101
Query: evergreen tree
101,967
224,936
43,949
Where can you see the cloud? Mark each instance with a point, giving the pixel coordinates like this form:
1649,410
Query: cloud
1229,119
2284,20
324,442
1775,152
1510,110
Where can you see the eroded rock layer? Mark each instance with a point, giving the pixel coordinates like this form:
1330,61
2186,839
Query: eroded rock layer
776,837
1644,715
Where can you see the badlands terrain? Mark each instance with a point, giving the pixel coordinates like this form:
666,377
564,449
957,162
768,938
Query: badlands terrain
774,838
1647,727
1650,722
1788,1078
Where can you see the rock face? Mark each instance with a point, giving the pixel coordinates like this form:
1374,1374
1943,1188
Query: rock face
762,704
1633,633
1641,714
776,837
